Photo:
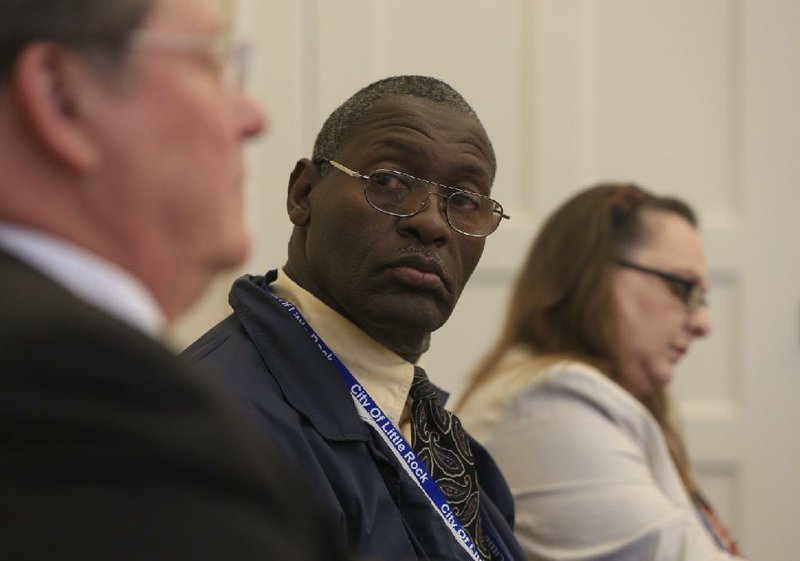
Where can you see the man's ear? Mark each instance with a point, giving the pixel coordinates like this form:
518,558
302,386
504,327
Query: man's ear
48,84
301,182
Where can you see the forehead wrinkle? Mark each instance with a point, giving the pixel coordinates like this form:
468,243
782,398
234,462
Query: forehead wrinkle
420,123
400,146
389,118
387,130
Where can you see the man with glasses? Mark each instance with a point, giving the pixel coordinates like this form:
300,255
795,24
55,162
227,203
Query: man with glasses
390,218
121,129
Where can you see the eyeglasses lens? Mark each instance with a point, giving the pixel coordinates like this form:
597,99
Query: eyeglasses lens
403,195
395,193
690,293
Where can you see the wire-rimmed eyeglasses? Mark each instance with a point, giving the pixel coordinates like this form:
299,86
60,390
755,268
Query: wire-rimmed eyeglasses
689,291
232,57
400,194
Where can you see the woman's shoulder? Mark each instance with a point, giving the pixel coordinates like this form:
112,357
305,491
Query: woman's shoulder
525,385
580,378
520,372
583,385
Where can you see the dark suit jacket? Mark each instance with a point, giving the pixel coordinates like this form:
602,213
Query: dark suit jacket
302,404
112,449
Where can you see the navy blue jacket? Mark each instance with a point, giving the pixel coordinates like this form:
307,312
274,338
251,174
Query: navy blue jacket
302,404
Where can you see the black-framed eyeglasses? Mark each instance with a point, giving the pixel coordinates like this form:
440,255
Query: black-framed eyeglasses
689,291
399,194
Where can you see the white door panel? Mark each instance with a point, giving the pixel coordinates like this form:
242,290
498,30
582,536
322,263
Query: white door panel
697,99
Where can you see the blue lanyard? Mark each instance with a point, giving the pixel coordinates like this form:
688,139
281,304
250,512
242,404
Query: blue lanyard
700,507
711,530
373,415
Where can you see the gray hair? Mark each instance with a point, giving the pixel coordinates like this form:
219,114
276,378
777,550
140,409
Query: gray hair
84,24
339,126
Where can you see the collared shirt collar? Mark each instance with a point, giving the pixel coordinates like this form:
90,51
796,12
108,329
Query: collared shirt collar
86,275
383,373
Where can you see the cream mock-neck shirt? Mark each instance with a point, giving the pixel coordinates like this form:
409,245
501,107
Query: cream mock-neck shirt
383,373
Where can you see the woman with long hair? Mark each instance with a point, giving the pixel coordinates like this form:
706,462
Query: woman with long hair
572,402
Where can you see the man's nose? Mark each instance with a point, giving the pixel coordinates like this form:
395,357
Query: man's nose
429,225
700,322
252,119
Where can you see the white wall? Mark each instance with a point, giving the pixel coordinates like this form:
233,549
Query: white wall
694,98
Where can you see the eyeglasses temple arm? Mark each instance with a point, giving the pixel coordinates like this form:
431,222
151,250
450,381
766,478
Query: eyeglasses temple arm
345,169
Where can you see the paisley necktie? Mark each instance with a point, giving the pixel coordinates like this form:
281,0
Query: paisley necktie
441,443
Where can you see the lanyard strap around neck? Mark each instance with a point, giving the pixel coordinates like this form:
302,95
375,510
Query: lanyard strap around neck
371,413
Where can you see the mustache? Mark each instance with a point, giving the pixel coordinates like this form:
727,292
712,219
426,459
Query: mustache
421,250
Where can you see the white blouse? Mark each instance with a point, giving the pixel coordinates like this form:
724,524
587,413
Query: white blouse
587,464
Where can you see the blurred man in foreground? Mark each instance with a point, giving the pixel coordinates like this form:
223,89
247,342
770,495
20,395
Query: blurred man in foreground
121,129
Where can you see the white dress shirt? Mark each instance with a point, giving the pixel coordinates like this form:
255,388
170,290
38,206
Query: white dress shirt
87,276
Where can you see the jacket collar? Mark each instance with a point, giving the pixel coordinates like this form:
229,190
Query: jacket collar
310,383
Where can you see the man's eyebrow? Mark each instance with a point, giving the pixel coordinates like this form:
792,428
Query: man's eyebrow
463,170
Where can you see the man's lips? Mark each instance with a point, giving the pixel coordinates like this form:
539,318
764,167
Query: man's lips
418,279
677,352
419,272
